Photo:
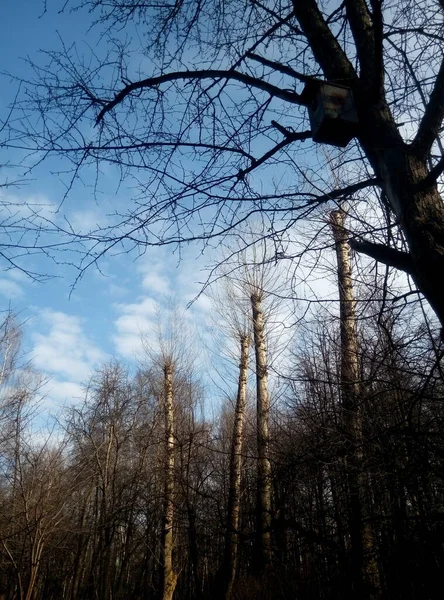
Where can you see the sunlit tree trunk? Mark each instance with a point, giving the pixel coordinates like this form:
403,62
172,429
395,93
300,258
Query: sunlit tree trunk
365,575
263,437
169,577
232,536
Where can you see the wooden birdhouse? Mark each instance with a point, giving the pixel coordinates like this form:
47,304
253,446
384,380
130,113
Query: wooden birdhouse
332,112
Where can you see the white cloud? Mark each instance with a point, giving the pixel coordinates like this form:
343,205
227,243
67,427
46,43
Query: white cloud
65,349
203,305
117,291
155,269
35,208
10,289
164,283
64,390
157,283
58,393
17,275
84,221
136,319
163,274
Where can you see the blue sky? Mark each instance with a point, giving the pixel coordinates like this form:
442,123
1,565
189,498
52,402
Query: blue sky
69,331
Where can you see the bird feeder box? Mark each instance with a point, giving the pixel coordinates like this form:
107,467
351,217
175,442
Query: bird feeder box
332,112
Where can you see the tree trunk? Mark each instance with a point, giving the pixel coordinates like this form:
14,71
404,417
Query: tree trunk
417,205
364,569
421,217
232,535
263,412
401,167
169,577
35,556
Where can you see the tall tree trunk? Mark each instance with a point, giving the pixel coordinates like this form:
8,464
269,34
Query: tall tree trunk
169,577
263,438
421,216
365,575
232,535
405,178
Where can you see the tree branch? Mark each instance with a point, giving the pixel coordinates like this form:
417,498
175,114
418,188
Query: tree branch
432,175
279,67
325,47
151,82
378,37
363,34
290,137
381,253
432,119
349,190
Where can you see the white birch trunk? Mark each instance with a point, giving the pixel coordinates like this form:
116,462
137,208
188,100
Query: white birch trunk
169,576
365,572
263,438
232,539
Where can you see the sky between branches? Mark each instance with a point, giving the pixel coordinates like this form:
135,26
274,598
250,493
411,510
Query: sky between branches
69,331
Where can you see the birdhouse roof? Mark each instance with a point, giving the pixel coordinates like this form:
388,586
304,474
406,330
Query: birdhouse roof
312,87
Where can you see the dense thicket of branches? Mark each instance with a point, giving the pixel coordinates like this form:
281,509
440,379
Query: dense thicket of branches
82,518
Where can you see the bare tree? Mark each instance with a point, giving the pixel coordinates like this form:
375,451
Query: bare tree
231,307
169,355
263,436
255,279
10,338
364,570
169,575
242,117
86,518
233,520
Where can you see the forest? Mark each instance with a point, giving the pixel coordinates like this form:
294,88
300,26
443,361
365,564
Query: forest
327,485
299,144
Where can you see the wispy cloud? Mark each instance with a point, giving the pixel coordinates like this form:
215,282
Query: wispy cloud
164,283
10,289
156,282
156,272
34,208
136,319
65,351
58,393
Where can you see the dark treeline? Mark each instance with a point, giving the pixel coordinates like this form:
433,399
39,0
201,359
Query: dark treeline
142,497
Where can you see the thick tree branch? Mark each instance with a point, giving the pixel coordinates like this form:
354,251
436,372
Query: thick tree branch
432,119
325,47
381,253
349,190
378,29
362,29
152,82
432,176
